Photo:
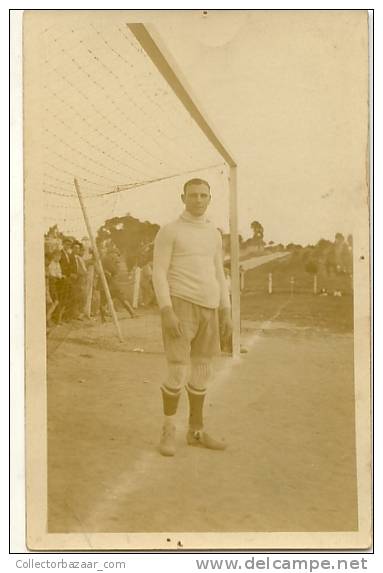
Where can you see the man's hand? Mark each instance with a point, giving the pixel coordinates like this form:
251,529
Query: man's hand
171,322
225,324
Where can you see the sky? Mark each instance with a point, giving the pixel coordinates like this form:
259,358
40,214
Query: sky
286,92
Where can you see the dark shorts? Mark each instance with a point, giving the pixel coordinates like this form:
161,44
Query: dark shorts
200,333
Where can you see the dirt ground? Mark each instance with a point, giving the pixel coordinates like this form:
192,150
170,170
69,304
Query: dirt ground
286,409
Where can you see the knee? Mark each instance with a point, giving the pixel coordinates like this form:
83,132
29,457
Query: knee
201,373
178,375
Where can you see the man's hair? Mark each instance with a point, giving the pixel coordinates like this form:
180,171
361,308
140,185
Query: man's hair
196,181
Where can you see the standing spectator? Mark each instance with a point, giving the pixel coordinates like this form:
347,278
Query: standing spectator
50,304
340,247
349,256
228,280
55,279
69,271
110,263
148,296
226,339
79,283
241,278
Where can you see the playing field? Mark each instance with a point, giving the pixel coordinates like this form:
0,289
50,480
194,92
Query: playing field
286,410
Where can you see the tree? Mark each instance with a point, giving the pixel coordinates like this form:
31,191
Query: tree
293,247
323,245
133,238
258,232
53,232
311,267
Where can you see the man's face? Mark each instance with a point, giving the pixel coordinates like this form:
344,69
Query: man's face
196,199
67,247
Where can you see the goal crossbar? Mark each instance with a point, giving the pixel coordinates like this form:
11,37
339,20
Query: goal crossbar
148,44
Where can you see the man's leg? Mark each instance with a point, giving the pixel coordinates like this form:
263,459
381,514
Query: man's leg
177,350
128,307
65,300
119,295
196,389
204,346
171,392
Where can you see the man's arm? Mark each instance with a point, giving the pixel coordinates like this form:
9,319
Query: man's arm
225,306
220,274
163,248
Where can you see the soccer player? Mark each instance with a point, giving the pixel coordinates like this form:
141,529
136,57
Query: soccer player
191,291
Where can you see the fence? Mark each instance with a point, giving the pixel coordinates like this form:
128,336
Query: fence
288,276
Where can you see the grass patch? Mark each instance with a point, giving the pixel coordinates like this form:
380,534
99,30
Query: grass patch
331,313
303,308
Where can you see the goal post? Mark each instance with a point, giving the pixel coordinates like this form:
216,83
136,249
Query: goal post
117,114
98,261
234,266
172,77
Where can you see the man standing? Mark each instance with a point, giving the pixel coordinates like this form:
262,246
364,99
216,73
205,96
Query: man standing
110,263
191,289
69,272
79,284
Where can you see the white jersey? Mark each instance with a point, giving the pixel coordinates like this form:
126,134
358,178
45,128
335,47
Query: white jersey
188,263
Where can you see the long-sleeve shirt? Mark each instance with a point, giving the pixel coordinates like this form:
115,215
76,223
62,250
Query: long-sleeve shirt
81,266
188,263
54,270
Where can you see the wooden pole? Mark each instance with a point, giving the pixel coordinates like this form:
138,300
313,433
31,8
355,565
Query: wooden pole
315,284
98,262
234,264
270,283
242,278
136,287
89,293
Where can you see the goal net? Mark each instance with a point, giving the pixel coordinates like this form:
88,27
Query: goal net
106,115
112,121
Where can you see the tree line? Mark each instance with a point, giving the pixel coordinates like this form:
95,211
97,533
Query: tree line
134,239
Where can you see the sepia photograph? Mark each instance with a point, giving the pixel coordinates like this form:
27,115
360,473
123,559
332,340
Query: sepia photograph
197,279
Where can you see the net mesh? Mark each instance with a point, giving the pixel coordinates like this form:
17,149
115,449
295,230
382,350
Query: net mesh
112,121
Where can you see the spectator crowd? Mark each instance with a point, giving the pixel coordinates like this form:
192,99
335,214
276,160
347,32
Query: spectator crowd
73,286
